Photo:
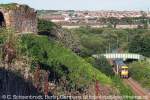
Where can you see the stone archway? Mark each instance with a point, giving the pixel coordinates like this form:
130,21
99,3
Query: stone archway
2,20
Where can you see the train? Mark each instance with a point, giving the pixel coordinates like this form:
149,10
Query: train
121,68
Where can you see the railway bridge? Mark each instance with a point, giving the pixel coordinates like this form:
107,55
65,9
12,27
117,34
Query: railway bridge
123,56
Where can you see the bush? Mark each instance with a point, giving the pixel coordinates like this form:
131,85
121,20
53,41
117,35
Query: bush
45,27
61,62
103,65
140,44
140,71
57,57
101,40
124,90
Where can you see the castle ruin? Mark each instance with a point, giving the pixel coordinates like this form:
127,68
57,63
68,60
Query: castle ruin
21,18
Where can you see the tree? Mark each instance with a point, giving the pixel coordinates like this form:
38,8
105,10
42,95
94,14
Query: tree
45,27
140,44
114,21
103,65
144,20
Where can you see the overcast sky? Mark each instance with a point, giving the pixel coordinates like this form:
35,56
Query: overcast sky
85,4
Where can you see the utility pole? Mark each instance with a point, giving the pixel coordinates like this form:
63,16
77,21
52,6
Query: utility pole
117,45
109,48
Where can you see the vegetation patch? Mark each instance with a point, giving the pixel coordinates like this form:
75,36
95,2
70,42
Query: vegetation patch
140,71
13,6
103,66
140,44
63,63
53,54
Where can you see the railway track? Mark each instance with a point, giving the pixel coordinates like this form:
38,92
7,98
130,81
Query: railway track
137,89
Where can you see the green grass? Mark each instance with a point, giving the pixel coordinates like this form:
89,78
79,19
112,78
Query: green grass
124,89
140,71
53,54
104,67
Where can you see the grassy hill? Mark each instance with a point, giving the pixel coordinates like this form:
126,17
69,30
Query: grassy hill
62,63
53,54
57,59
65,63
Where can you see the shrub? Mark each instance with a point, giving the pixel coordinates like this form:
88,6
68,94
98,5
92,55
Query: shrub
57,57
45,27
103,65
140,71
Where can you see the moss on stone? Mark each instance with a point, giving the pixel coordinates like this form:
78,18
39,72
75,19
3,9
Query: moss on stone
12,6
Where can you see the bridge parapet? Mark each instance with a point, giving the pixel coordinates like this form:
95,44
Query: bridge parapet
120,56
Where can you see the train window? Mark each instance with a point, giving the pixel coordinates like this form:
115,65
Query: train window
125,69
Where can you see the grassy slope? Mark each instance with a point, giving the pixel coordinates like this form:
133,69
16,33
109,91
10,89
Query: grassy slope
81,71
104,67
140,71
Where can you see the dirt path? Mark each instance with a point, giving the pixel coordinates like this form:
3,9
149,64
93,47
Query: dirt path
137,89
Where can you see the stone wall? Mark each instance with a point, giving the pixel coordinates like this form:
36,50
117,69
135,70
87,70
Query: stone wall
21,18
13,84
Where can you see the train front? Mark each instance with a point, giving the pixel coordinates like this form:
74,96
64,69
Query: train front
124,72
121,68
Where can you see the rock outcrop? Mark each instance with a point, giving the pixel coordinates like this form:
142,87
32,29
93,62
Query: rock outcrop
13,84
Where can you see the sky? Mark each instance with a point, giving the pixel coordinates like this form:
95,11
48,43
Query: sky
84,4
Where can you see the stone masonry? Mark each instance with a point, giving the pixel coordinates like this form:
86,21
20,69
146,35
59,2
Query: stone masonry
21,18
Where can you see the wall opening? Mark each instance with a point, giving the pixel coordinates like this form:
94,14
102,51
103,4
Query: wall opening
2,20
